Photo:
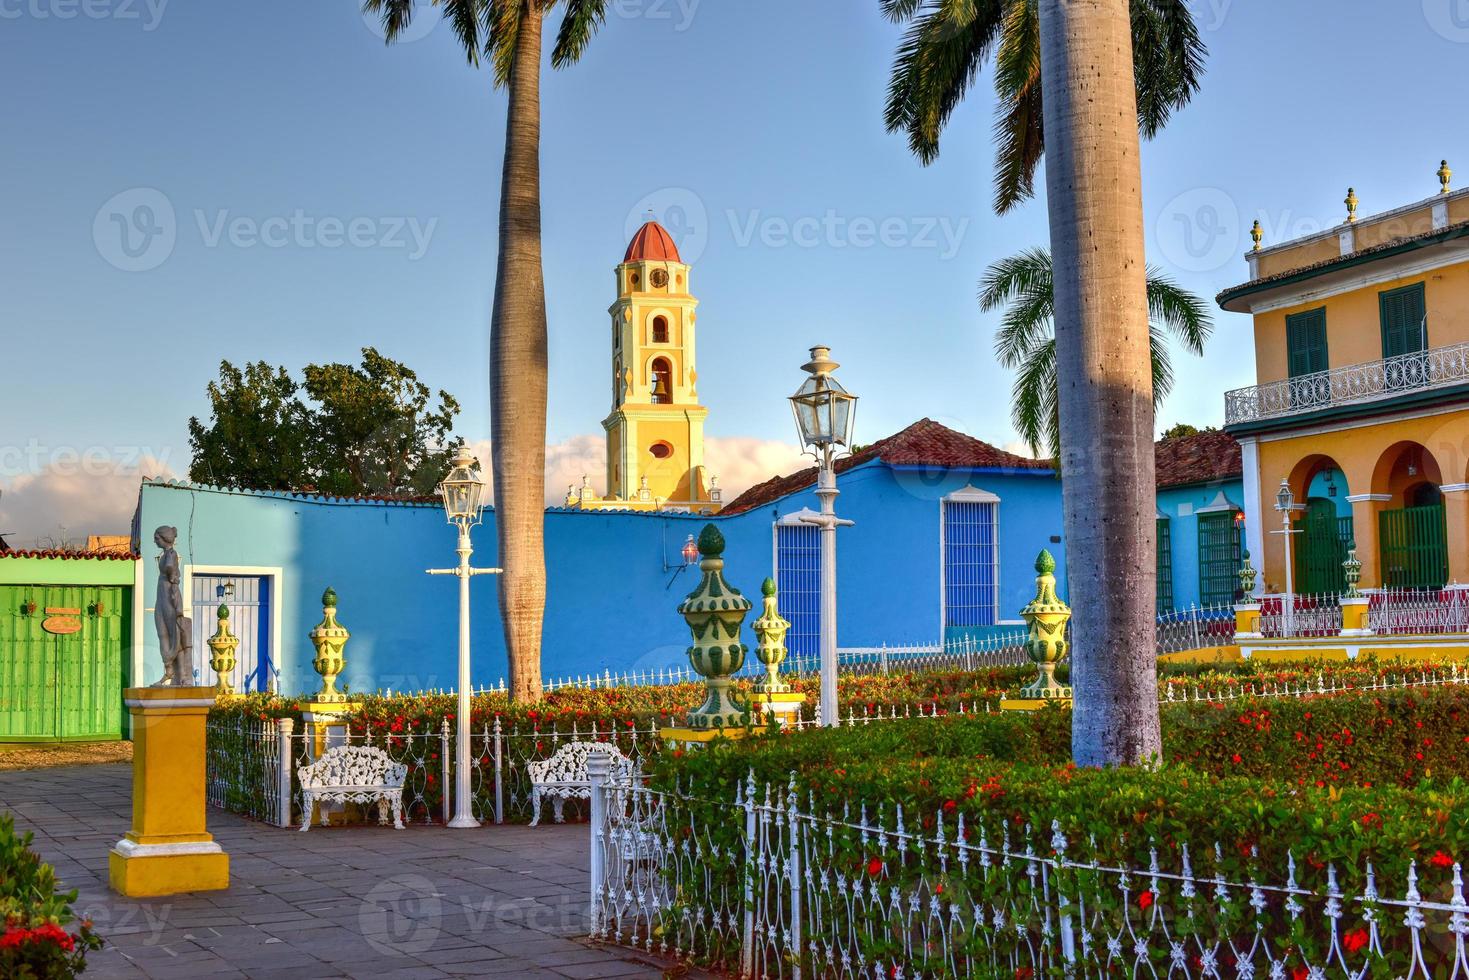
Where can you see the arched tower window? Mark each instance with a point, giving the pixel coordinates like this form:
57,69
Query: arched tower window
662,382
660,330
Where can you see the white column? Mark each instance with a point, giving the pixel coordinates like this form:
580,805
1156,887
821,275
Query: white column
1254,510
463,805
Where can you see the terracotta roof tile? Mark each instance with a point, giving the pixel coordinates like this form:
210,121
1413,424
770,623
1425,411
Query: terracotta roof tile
1202,458
73,555
924,443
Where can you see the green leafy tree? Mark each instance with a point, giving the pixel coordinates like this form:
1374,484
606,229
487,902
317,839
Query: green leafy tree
369,430
508,35
1183,430
1023,286
947,44
259,432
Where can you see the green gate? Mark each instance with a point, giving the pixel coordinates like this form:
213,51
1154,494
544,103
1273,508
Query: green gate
1321,548
1219,558
1414,547
62,662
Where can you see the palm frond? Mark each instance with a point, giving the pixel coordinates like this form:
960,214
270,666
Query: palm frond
579,25
1019,113
1162,365
1034,410
1180,311
396,15
937,61
502,30
898,11
1168,58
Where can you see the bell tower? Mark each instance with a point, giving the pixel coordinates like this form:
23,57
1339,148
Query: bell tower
655,432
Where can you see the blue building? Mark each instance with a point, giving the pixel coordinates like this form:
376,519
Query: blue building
945,537
1200,520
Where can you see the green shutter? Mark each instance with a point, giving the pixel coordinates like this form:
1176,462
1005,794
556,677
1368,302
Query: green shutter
1403,327
1305,341
1414,547
1219,558
1321,548
1165,566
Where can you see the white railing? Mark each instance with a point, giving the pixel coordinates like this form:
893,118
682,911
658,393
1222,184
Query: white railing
1288,617
1419,611
1357,383
765,886
1184,690
1195,628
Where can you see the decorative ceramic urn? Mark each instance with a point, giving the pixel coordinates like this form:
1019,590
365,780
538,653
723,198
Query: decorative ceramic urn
1352,572
1046,645
223,645
330,639
715,611
770,642
1247,576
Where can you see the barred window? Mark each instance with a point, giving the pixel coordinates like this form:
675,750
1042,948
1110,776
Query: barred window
798,581
971,556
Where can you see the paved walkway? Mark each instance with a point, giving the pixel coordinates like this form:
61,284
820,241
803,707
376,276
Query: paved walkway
352,902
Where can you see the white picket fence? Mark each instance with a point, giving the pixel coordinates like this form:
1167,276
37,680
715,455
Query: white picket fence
764,886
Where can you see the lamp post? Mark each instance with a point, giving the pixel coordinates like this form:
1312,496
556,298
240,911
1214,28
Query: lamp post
824,413
1285,502
463,493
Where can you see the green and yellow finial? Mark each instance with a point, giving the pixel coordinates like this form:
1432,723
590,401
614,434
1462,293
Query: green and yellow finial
1351,203
1444,176
1257,234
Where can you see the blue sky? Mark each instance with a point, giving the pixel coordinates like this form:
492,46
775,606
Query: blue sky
328,192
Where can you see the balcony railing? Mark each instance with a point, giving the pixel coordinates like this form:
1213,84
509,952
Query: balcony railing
1441,367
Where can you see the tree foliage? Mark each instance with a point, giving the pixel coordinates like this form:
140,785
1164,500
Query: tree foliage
947,44
348,430
1022,284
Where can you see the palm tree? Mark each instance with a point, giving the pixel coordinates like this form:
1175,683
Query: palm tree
947,43
1098,96
508,34
1026,340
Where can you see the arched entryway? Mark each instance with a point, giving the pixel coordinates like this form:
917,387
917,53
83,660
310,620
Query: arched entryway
1324,521
1412,534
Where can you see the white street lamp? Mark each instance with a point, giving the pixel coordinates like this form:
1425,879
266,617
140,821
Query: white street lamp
824,413
1285,502
464,499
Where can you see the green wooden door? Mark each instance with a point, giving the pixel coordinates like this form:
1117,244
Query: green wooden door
58,685
1321,548
1414,545
1219,558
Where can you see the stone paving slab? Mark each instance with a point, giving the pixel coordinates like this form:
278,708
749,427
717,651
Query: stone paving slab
353,902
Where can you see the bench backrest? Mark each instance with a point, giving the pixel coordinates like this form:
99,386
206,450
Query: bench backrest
353,765
569,764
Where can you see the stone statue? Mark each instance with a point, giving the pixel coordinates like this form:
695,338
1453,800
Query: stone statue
175,639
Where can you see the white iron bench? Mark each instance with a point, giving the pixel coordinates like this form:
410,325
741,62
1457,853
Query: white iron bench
353,774
564,776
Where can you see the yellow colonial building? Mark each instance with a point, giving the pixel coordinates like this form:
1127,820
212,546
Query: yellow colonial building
1362,398
655,432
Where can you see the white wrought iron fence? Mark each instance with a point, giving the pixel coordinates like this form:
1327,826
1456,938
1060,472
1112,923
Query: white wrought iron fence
1288,617
1195,628
766,887
1184,689
1418,611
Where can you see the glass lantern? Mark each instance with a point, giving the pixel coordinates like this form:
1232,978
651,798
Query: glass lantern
824,410
463,491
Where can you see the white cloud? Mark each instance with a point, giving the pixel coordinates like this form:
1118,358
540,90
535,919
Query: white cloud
1020,448
739,462
67,499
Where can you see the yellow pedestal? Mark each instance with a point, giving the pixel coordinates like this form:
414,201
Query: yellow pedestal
784,705
700,736
1033,704
168,851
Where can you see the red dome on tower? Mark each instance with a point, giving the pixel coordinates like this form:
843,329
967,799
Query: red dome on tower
652,243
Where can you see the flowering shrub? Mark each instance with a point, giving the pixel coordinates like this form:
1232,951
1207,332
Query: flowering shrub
34,942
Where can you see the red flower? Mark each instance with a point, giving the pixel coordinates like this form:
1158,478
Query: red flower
1441,860
1236,759
874,867
1355,940
1145,901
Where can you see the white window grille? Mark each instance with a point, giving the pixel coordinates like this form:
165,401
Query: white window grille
971,558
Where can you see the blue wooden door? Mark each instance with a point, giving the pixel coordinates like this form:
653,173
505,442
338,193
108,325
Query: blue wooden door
250,611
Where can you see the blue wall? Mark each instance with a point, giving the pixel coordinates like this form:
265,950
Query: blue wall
610,603
1181,506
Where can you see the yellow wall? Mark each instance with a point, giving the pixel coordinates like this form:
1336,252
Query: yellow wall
1299,256
1354,323
1372,459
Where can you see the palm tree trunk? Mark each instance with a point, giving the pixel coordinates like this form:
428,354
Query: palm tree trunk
518,371
1094,195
